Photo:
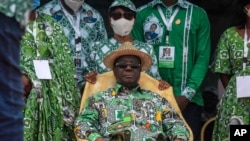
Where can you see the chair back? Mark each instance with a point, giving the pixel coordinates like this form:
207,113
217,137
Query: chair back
207,129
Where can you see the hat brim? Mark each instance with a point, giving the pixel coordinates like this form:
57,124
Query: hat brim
146,60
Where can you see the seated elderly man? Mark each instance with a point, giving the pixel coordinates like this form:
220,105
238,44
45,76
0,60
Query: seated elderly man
126,112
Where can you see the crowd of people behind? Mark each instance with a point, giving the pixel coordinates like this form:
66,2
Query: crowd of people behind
64,47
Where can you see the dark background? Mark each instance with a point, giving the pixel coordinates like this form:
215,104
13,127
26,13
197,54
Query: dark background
220,12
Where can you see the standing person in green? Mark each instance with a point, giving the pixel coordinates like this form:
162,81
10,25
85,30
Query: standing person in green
232,63
184,29
53,100
13,17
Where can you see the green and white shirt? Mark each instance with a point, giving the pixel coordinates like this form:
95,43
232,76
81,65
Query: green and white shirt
90,30
229,53
189,35
142,114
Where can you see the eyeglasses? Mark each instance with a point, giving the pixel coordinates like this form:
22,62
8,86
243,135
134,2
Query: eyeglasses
126,15
124,65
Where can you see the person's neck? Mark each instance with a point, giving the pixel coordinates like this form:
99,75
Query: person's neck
129,88
248,23
123,39
170,2
66,7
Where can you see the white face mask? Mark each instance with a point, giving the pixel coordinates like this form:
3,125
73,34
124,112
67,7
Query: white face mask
122,26
74,4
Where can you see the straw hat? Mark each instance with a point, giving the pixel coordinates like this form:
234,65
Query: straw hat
127,48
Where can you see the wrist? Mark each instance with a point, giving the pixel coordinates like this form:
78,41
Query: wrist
188,93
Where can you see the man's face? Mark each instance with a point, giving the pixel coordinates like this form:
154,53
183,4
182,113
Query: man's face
127,70
74,4
90,14
153,27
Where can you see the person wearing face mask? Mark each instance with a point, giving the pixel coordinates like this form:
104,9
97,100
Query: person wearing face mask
52,98
122,14
232,63
81,29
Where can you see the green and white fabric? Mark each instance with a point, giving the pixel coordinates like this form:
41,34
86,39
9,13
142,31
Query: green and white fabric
125,3
52,104
90,31
19,9
229,60
190,37
144,114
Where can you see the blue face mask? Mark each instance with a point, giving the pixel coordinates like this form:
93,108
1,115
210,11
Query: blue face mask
35,4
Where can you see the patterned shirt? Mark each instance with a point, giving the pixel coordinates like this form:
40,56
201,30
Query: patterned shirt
141,114
16,8
229,60
229,54
92,29
103,48
190,38
54,100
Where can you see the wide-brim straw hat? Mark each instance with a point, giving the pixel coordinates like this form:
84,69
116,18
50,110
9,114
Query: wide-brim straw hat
128,48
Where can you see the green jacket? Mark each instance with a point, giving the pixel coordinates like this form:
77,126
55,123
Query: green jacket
188,72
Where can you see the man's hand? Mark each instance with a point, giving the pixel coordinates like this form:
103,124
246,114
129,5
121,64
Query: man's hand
27,85
163,85
91,77
182,102
100,139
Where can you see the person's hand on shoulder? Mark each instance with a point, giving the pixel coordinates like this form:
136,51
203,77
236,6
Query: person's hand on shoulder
91,77
100,139
27,85
163,85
